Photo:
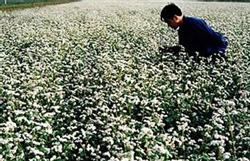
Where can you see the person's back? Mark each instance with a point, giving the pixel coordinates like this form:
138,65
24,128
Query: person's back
194,33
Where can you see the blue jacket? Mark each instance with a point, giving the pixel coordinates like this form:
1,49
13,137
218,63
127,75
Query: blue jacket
196,35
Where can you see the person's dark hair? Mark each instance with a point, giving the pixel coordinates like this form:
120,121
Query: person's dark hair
169,11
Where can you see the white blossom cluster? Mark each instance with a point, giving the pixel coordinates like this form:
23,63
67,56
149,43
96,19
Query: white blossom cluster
86,81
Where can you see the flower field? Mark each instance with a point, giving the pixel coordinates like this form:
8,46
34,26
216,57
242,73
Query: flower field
86,81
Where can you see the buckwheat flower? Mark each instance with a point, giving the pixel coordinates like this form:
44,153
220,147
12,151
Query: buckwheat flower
155,101
231,103
132,155
107,154
221,149
243,159
215,142
136,100
231,127
125,159
37,89
216,136
146,131
208,127
49,114
49,130
234,112
58,148
128,78
160,148
172,77
221,111
226,155
170,129
53,158
219,125
129,145
56,108
36,143
184,119
36,152
63,140
124,128
114,159
9,125
91,127
1,158
182,126
109,140
3,141
83,133
19,112
90,148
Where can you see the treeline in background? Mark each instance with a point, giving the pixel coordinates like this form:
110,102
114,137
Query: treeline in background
225,0
3,2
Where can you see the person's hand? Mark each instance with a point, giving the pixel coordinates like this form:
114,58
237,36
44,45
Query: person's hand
174,49
171,49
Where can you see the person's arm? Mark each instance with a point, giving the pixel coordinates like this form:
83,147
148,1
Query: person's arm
185,40
171,49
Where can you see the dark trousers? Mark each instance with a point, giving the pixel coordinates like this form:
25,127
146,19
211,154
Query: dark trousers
218,50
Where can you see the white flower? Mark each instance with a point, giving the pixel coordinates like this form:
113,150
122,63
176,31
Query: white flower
53,158
90,148
109,140
19,112
50,114
9,125
36,152
160,148
49,129
231,103
106,154
125,159
56,108
155,101
63,140
3,141
83,133
221,149
58,148
146,131
215,142
226,155
182,126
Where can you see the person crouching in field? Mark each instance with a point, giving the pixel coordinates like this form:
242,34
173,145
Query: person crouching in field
194,33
